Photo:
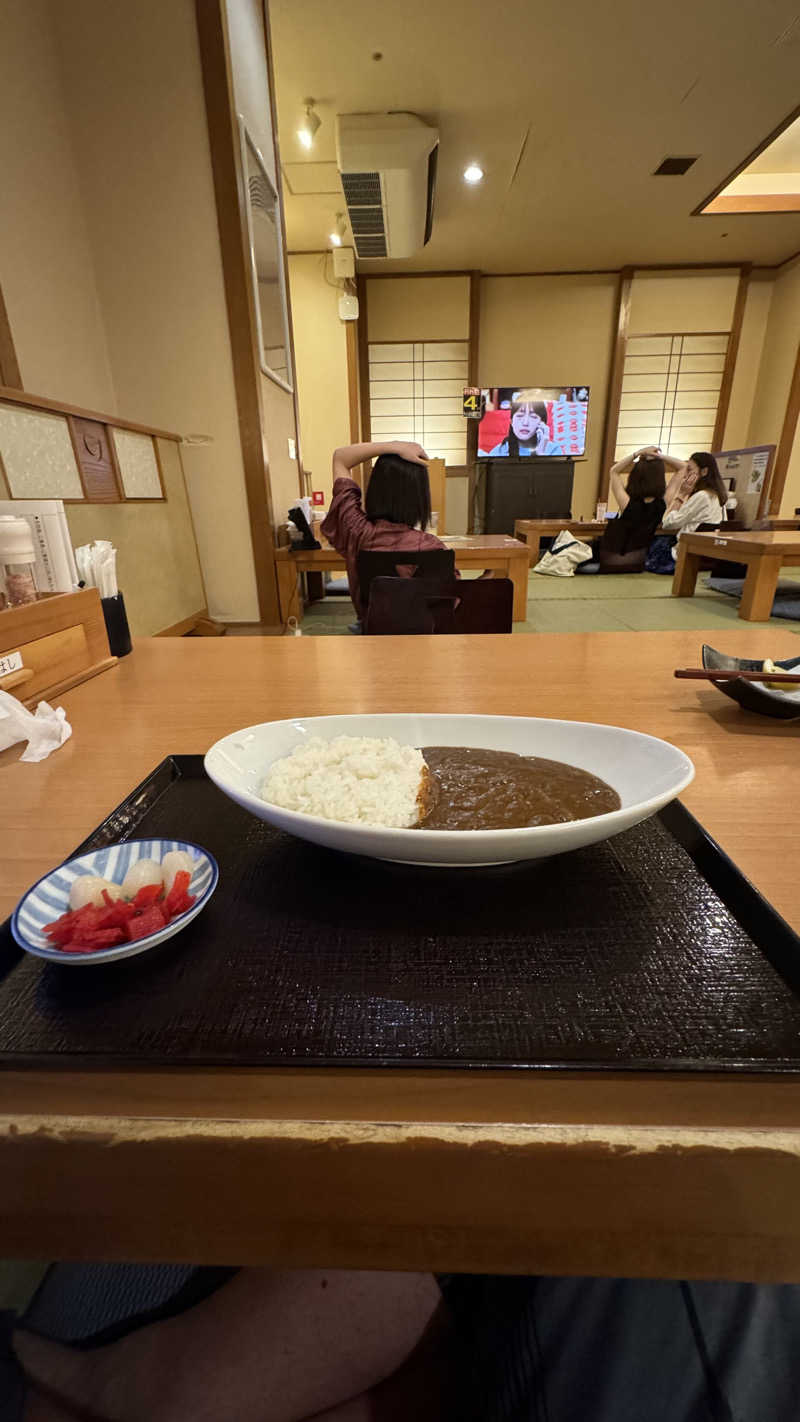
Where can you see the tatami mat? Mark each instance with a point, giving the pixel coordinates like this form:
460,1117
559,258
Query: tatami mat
640,603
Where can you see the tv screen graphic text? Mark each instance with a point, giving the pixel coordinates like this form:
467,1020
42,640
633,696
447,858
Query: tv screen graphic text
544,421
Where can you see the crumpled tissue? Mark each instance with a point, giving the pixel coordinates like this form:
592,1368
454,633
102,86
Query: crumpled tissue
44,729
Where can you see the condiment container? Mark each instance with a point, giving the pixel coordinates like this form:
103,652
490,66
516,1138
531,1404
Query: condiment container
17,561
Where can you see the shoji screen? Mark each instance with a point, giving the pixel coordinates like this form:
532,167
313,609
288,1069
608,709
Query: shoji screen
670,392
415,393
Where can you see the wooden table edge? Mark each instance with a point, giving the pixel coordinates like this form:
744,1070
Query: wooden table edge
410,1195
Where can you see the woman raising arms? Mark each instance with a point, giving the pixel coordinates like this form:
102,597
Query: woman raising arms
396,510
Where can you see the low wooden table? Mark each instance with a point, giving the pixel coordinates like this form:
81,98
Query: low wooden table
764,553
533,530
507,556
622,1173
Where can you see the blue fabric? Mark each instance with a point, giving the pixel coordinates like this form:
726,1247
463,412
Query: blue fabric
787,595
659,556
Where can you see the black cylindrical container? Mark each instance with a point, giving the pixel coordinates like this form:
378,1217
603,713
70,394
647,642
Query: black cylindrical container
119,633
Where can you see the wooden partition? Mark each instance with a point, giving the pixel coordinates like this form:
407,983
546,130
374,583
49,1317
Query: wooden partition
118,480
438,477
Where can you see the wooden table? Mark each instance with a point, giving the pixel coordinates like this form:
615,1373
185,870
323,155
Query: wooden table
540,1172
507,556
764,553
533,530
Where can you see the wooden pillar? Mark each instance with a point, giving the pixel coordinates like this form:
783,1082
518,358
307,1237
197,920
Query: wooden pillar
353,383
615,380
731,354
473,367
786,443
223,133
9,367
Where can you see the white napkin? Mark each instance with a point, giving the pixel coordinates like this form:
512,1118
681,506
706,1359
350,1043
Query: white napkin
97,566
44,730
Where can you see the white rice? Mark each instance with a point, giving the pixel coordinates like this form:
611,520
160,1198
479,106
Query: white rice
356,779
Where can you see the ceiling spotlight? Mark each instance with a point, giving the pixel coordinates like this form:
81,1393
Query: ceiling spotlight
473,173
308,128
337,236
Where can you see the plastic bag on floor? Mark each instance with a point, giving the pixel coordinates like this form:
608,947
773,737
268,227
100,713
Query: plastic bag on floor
564,556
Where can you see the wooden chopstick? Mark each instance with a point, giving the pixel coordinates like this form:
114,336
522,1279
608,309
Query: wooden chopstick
701,674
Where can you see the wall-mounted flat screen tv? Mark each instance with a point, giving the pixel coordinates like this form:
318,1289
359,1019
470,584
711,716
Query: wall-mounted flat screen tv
544,420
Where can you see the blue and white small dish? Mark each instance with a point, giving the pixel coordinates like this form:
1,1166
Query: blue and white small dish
49,898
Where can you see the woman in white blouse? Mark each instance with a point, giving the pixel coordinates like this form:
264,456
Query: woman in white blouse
695,495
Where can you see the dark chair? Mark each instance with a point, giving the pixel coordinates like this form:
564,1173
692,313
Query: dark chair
419,606
484,605
429,563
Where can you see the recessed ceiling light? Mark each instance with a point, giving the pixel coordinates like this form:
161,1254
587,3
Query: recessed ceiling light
473,174
309,125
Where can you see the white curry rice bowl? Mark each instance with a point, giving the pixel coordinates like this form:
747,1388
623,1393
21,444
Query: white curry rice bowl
645,772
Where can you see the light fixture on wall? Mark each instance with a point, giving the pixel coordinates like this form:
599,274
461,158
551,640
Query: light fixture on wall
311,122
337,236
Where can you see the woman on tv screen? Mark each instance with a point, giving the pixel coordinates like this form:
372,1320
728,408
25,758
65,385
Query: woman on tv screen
528,431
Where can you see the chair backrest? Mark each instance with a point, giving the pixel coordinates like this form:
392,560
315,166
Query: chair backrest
428,563
399,607
484,605
419,606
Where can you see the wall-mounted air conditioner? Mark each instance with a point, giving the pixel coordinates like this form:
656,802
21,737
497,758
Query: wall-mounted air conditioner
388,167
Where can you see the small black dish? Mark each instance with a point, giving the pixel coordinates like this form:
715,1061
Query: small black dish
783,705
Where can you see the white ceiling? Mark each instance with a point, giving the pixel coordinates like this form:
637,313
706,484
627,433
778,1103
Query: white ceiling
567,109
782,155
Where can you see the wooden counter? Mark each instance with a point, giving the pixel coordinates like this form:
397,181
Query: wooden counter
523,1172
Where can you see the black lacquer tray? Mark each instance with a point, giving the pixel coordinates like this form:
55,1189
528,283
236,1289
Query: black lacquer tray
647,952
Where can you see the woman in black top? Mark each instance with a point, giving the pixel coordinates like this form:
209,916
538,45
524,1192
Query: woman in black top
641,503
623,546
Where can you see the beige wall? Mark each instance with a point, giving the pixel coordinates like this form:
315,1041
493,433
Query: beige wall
748,360
682,301
320,348
135,97
457,496
46,263
775,376
418,308
157,562
553,330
